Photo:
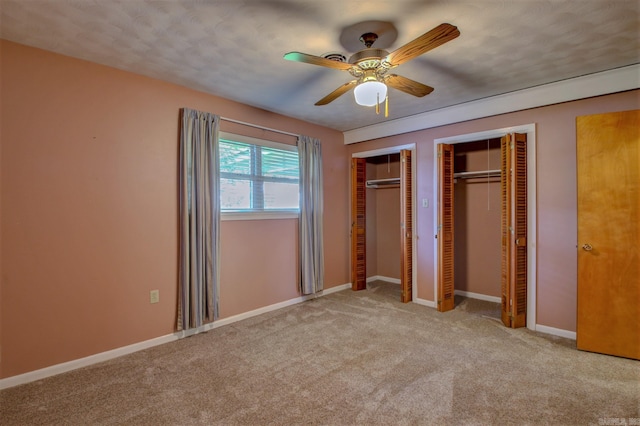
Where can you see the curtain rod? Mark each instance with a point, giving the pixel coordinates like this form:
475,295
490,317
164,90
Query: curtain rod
258,126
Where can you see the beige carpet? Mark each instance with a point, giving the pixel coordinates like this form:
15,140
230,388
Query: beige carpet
344,359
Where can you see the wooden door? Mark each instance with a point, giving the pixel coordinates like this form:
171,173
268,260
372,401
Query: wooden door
358,224
445,296
513,192
406,227
608,164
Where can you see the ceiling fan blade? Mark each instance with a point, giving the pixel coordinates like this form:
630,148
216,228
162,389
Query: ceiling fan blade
427,41
407,85
316,60
337,93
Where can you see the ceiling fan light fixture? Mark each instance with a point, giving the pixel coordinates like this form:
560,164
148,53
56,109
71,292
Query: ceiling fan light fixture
369,93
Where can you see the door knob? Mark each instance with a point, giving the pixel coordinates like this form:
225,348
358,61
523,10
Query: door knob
587,247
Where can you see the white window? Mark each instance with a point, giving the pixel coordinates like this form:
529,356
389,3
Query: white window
258,176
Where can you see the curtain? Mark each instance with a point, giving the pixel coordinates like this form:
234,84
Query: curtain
199,192
311,205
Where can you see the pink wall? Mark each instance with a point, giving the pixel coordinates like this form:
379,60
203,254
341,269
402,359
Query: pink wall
556,195
371,218
272,259
383,220
89,210
388,224
477,212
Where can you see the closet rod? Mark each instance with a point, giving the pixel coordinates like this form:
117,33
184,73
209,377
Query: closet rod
478,174
377,183
244,123
390,180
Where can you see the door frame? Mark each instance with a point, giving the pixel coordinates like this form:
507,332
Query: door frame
396,150
530,130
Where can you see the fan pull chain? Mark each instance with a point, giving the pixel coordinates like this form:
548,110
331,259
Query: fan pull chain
378,103
386,107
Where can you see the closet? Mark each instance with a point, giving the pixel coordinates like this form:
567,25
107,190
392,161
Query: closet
477,241
473,249
382,220
383,217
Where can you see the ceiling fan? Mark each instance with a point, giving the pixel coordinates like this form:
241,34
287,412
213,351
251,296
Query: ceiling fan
371,66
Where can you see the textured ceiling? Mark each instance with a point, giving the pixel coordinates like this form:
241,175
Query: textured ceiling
234,48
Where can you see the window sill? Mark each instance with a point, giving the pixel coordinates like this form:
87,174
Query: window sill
262,215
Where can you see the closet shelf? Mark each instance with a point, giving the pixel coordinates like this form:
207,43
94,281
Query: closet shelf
383,183
478,174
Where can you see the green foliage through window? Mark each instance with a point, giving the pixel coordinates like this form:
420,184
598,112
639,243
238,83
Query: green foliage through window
257,178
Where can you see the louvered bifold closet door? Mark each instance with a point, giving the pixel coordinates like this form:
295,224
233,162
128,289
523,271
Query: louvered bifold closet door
445,296
519,224
514,229
358,224
504,230
406,239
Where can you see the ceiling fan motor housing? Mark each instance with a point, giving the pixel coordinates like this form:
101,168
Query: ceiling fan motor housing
368,64
368,58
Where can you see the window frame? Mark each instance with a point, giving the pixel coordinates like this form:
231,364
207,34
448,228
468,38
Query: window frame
249,214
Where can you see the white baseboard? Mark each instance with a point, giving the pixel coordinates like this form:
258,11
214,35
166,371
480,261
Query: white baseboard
65,367
556,331
274,307
479,296
43,373
541,328
336,289
424,302
383,278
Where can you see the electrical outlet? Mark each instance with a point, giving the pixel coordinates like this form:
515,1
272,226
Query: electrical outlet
425,202
154,296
